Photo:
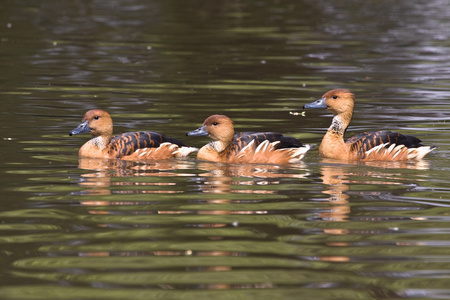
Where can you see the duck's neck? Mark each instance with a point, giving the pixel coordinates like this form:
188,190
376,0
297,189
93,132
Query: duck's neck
333,144
100,142
339,125
96,147
219,146
213,151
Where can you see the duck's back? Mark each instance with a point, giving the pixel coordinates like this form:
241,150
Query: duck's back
127,143
242,139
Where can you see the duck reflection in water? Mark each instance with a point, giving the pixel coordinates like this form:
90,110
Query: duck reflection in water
100,183
223,178
338,179
219,179
106,174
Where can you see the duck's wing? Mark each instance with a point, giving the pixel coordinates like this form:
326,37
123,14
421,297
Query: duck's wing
242,139
128,143
265,147
382,143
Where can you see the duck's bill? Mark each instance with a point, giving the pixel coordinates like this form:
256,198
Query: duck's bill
198,132
82,128
316,104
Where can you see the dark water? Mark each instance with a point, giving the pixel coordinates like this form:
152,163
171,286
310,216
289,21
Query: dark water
183,229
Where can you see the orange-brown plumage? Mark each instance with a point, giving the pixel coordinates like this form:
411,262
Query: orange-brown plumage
141,145
246,147
378,145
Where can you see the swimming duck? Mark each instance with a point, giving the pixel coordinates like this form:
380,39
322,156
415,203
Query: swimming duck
246,147
142,145
377,145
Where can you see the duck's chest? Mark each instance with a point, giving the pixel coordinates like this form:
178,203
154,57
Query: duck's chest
333,146
213,152
91,150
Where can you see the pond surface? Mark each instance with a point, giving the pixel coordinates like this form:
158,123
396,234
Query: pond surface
182,229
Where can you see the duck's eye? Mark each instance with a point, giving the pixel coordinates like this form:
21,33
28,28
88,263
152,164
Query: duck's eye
96,117
215,124
334,97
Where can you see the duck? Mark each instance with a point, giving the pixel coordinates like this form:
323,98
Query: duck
246,147
141,145
366,146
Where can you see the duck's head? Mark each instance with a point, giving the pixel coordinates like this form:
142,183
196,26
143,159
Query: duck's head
338,101
217,127
97,122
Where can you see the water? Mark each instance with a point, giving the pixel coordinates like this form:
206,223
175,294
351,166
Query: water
320,229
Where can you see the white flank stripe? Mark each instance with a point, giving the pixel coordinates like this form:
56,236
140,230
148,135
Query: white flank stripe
184,151
262,147
250,145
391,147
144,151
398,151
375,149
298,154
421,152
